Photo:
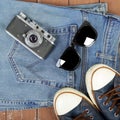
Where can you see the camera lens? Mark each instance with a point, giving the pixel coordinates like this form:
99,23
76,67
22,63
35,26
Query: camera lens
33,38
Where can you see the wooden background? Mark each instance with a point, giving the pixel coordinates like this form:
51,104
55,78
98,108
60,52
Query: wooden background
48,113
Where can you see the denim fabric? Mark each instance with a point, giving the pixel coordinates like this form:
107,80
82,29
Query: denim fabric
28,82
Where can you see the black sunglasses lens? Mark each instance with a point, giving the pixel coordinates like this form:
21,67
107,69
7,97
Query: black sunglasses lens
86,35
69,59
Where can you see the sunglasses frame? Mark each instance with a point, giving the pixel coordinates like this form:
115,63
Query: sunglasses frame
74,43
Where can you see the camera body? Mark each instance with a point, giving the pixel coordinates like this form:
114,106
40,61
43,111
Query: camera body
28,33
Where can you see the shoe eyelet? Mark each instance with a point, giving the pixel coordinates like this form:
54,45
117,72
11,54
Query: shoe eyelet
87,110
104,103
91,117
116,115
110,109
99,98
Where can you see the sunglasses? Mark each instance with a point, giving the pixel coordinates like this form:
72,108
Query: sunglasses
85,37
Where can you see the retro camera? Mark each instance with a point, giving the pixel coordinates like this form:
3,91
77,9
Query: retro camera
28,33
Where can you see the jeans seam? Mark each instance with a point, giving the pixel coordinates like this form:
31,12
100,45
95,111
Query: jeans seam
105,38
24,101
106,55
71,74
21,79
84,58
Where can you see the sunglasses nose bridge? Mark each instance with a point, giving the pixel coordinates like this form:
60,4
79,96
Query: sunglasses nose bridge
73,43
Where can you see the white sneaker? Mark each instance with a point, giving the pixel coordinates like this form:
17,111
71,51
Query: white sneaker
71,104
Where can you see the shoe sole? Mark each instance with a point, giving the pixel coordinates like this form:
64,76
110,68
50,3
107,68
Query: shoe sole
71,91
89,76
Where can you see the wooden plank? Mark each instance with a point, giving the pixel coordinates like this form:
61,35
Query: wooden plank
52,113
74,2
17,115
113,6
20,115
2,115
9,115
54,2
30,0
29,114
47,114
14,115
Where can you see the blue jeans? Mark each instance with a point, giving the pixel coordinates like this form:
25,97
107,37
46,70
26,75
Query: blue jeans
29,82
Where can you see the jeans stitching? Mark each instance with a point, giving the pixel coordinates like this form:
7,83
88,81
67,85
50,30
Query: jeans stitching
105,56
34,104
20,78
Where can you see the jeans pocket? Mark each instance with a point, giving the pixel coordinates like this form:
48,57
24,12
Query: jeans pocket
30,69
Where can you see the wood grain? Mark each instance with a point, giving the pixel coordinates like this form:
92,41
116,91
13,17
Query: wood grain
2,115
47,114
113,6
20,115
30,0
33,114
29,114
55,2
74,2
15,115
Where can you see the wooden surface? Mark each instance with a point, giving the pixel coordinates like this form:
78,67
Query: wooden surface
33,114
113,5
48,113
